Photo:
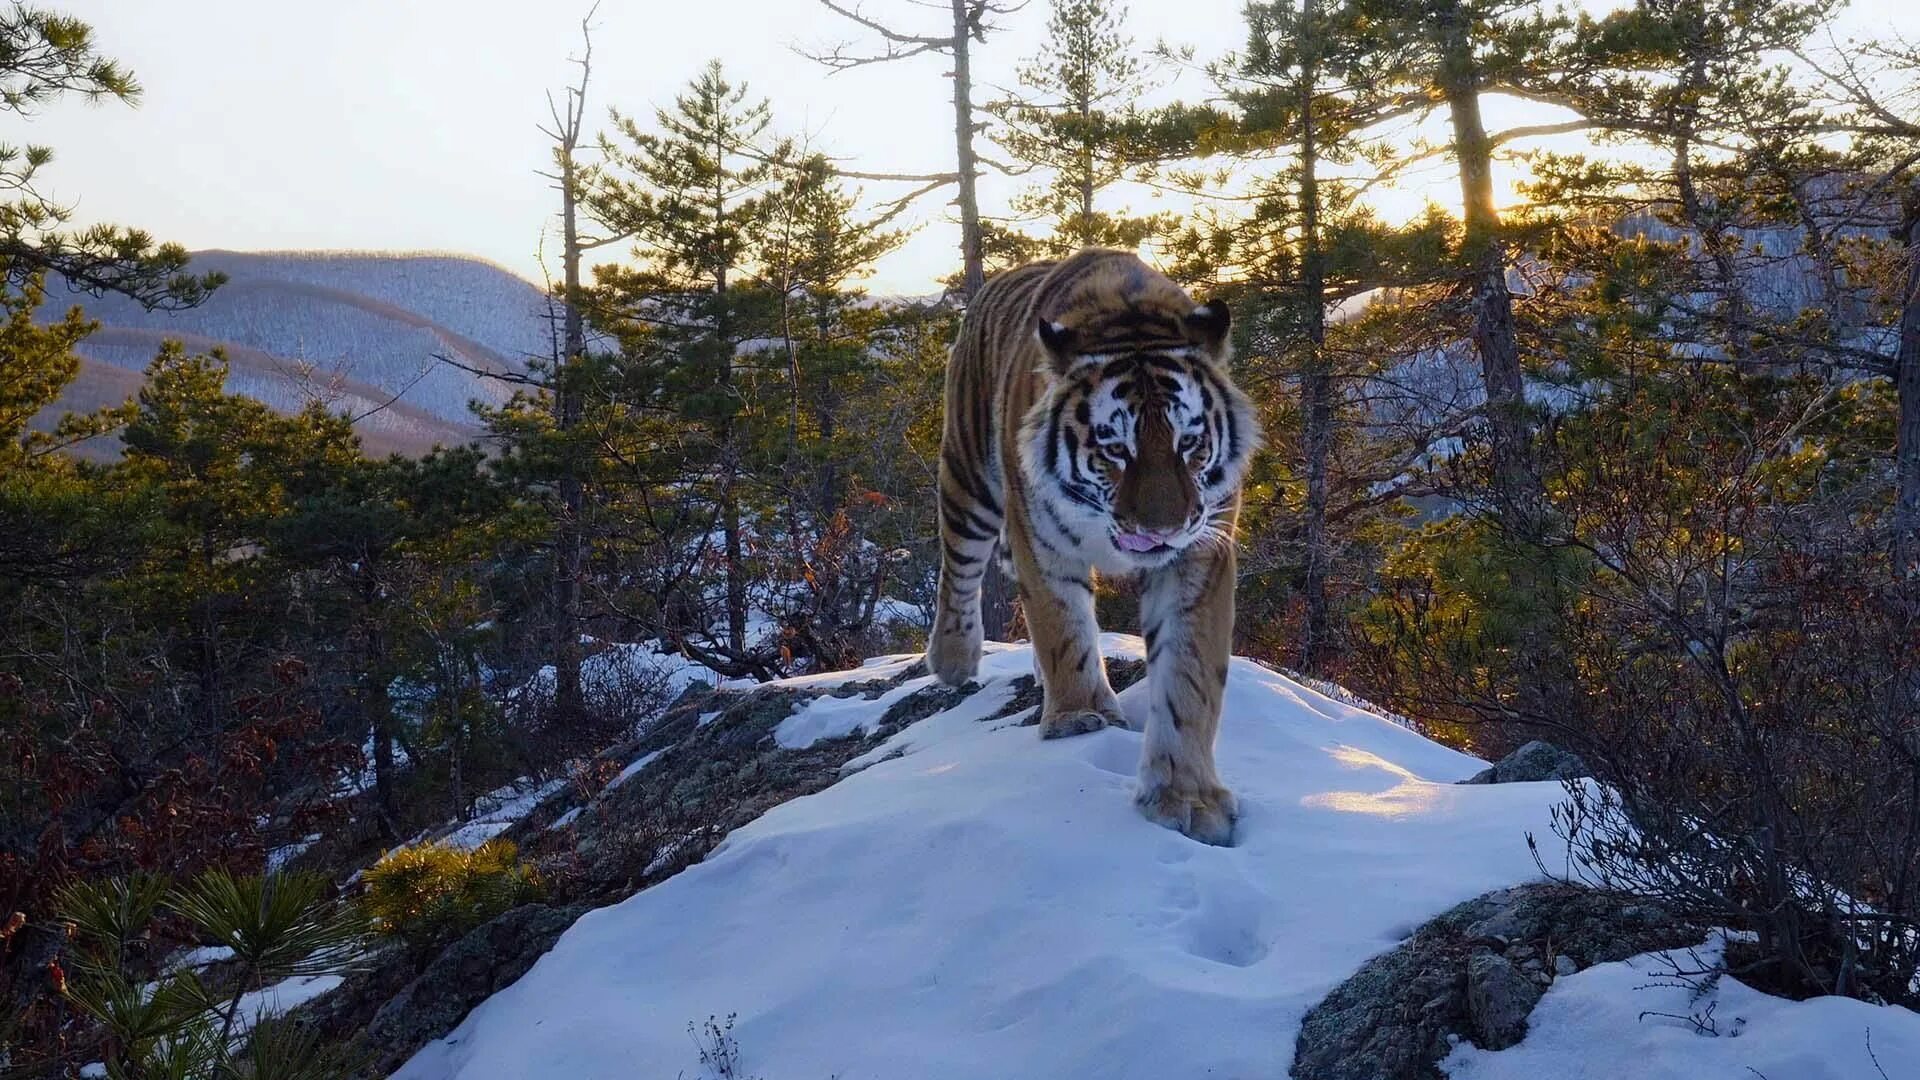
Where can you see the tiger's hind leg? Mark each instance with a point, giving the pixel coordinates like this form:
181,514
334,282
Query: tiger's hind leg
970,526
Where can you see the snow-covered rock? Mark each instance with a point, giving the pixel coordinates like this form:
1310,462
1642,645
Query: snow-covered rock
1634,1018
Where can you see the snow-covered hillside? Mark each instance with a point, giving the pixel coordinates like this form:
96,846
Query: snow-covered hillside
356,329
988,904
974,902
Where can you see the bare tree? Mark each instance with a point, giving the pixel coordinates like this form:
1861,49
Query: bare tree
570,532
969,26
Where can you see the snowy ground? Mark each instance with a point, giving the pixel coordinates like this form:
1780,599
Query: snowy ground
983,903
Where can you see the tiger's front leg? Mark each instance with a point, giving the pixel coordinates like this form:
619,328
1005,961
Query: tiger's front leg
1186,617
1066,642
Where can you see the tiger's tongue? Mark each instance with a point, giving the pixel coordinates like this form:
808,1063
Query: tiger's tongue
1135,542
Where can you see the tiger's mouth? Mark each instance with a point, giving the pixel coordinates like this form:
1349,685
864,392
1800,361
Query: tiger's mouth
1140,543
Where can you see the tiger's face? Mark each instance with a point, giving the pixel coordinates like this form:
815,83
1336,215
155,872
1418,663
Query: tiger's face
1139,445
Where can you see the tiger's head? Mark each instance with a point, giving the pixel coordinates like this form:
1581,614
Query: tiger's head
1141,439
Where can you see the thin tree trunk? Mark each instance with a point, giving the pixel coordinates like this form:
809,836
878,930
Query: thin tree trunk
1715,238
966,161
569,539
1316,398
729,450
1906,383
1493,328
1518,494
1316,383
570,534
379,705
1087,167
207,649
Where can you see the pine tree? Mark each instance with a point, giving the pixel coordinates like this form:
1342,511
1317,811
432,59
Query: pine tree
1076,116
1864,86
1306,94
1451,55
204,452
812,249
363,532
691,196
1706,88
37,363
1298,90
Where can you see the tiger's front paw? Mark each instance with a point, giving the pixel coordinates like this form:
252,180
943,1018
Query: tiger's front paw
1205,812
1063,723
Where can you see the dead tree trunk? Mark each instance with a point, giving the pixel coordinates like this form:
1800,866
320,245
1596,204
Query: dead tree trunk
568,408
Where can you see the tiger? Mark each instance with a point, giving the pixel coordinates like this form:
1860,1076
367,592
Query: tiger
1092,427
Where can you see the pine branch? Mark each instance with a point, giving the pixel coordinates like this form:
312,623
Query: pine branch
1530,131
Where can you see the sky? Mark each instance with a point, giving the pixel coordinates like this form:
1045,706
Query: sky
407,125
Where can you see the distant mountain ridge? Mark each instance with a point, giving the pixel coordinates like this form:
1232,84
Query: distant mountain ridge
362,331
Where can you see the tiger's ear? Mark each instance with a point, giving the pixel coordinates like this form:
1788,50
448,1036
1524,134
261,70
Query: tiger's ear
1059,341
1210,323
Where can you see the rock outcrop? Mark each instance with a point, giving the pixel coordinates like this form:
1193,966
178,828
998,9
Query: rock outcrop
1537,760
1475,973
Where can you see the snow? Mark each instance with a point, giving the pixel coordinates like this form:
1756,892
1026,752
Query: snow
278,858
511,802
498,810
619,672
565,819
276,999
198,957
633,768
475,834
363,780
878,667
978,902
894,610
836,717
1599,1025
